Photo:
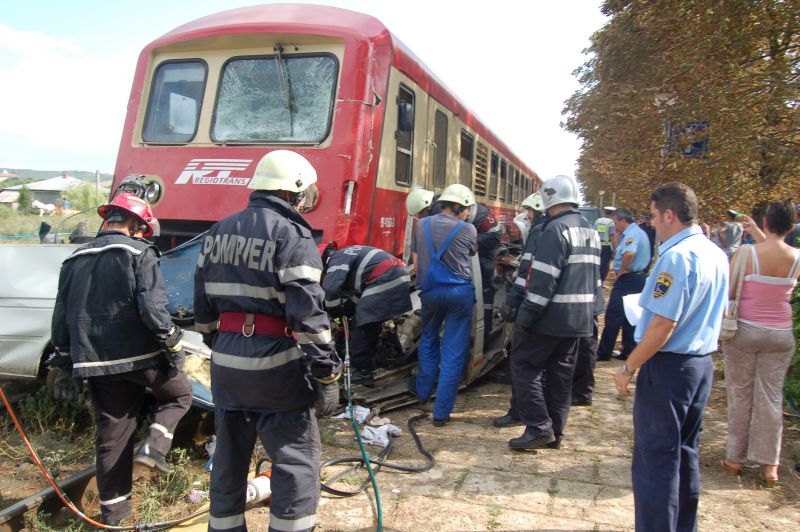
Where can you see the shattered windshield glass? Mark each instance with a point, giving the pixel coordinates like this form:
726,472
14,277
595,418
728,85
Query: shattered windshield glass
276,99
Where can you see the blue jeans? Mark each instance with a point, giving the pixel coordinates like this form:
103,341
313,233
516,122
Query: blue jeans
451,306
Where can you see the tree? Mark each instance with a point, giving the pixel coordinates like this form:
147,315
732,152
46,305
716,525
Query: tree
84,196
732,65
24,200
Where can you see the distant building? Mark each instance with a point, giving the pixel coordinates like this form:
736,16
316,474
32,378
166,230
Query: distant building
49,190
5,174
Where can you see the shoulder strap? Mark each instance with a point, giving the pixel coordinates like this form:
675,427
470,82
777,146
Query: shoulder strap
449,239
756,267
738,275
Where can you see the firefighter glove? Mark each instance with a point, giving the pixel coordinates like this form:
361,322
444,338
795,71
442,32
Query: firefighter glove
328,398
508,314
65,386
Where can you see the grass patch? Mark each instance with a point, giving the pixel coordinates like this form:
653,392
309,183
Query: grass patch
553,489
494,513
460,480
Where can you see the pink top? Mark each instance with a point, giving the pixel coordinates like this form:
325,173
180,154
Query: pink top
765,300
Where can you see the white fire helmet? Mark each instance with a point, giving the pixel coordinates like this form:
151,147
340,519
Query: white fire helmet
559,189
283,170
458,193
417,200
534,201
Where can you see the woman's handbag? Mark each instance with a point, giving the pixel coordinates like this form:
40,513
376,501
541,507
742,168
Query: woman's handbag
729,324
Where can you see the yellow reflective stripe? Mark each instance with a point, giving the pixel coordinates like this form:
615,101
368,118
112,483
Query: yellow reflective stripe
244,290
115,362
292,525
256,363
222,523
300,272
206,327
322,337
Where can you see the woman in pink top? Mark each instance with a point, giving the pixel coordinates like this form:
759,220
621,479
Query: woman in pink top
758,356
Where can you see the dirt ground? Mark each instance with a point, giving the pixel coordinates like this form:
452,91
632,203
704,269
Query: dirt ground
479,484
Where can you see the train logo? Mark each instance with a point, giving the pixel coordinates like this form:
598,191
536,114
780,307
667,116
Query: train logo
214,172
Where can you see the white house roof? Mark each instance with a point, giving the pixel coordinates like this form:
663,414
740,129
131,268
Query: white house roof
59,183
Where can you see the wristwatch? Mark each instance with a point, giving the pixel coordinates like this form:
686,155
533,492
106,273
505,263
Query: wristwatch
626,371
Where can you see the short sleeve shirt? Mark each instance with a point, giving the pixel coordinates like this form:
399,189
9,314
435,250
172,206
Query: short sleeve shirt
633,240
457,257
689,285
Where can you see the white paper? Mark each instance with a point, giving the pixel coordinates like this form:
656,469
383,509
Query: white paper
633,312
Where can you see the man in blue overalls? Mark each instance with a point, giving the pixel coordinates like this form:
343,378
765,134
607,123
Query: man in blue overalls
443,244
683,302
630,264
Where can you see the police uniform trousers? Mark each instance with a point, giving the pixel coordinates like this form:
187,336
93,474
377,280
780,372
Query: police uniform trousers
363,340
117,401
542,402
291,440
606,254
449,306
583,380
671,392
630,283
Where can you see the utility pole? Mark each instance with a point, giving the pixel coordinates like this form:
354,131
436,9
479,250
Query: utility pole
97,181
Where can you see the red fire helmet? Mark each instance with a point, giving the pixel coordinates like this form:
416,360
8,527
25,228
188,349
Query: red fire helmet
131,204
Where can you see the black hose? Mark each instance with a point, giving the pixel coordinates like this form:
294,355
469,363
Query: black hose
378,460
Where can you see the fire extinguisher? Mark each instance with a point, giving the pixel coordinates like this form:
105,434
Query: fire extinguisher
258,487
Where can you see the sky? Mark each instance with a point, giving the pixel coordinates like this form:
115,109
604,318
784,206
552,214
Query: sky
66,69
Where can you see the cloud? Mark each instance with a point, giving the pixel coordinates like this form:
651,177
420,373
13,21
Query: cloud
57,99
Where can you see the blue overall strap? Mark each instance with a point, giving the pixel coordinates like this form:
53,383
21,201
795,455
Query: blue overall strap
438,254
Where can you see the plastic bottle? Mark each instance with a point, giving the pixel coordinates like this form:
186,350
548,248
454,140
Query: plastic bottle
258,488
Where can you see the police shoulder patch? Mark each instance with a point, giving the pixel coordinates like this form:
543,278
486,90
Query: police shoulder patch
663,284
629,241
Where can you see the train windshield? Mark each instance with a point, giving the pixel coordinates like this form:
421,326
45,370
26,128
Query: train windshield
275,99
174,104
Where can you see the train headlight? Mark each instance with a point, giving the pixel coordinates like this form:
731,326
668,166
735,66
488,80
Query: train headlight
153,192
311,199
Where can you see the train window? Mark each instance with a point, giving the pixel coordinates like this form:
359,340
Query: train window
440,149
404,134
277,99
465,169
175,100
503,180
517,186
493,181
481,160
510,184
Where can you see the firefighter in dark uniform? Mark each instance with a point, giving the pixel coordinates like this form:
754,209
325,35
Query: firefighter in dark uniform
682,304
111,327
557,311
260,305
368,286
516,293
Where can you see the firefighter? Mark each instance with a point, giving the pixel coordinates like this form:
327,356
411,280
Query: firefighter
444,244
556,313
418,202
368,286
111,327
259,303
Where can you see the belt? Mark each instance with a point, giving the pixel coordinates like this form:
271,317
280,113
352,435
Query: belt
381,268
672,353
249,323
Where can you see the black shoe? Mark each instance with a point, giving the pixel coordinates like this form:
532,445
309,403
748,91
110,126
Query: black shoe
617,355
363,377
554,444
531,441
151,458
506,421
603,358
576,401
441,422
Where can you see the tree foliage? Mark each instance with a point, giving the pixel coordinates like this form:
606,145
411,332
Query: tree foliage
84,196
733,64
24,199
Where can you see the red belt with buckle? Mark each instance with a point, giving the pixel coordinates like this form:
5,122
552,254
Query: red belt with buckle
381,268
249,323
